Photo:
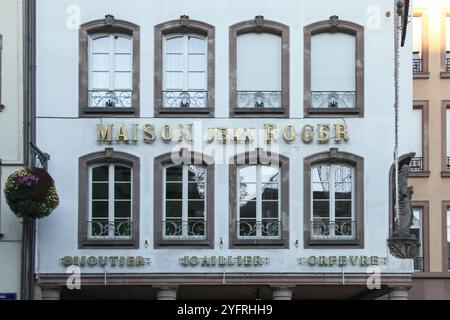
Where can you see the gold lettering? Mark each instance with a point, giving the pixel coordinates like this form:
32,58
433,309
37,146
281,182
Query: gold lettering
122,261
131,261
323,261
205,262
333,261
259,261
324,133
240,261
149,133
342,261
104,133
271,132
312,261
193,261
364,261
248,261
102,261
92,261
67,261
83,261
289,133
341,133
113,261
122,134
354,260
185,133
308,134
140,261
134,133
375,261
222,261
211,132
249,135
222,134
236,135
230,261
167,133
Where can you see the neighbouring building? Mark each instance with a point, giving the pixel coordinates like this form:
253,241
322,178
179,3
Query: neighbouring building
430,132
225,150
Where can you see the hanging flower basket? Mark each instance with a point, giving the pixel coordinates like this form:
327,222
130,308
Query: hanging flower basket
31,193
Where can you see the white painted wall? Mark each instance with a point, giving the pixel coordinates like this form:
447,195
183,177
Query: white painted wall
11,145
66,138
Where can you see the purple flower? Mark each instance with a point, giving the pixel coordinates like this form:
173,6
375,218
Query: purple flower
27,180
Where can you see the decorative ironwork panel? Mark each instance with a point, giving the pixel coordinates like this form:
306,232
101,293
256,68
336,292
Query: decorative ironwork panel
252,229
103,229
37,154
177,229
343,229
185,99
416,164
448,164
259,99
447,64
333,99
417,65
110,99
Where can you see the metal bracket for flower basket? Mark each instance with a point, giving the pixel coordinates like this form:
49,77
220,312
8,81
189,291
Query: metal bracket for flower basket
37,153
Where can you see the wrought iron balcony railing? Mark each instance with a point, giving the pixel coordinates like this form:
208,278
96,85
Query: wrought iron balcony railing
185,99
110,98
343,229
416,164
259,99
37,154
333,99
418,264
417,65
448,164
251,229
103,229
177,229
447,64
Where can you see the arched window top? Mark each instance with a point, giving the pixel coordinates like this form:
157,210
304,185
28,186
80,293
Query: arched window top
260,25
185,26
109,25
334,156
109,155
333,25
259,157
184,156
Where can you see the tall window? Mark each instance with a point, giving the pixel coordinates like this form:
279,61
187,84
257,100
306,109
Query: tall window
332,202
185,216
109,68
259,68
445,67
109,200
334,68
259,200
184,68
184,200
420,44
185,71
111,74
334,199
259,195
417,231
419,165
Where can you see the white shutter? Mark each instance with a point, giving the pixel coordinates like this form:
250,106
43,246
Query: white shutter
259,62
333,62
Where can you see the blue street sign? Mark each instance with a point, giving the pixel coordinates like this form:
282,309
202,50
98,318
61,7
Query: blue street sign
8,296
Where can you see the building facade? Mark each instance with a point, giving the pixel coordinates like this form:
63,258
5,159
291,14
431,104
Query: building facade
431,28
234,150
11,146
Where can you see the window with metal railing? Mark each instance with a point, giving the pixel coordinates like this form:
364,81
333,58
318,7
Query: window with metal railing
416,164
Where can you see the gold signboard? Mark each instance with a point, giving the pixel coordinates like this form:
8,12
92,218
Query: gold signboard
114,261
222,261
341,261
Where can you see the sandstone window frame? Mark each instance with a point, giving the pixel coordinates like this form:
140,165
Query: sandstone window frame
424,107
425,73
424,206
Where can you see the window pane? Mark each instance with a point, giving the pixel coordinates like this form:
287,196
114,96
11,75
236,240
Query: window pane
196,191
174,173
248,210
247,192
259,62
100,191
270,209
197,62
269,175
123,62
197,80
270,191
123,80
100,80
101,45
343,174
99,209
321,191
174,45
320,173
197,45
100,62
343,191
196,173
321,209
343,209
417,34
174,209
196,209
100,173
123,45
122,209
122,174
174,62
122,191
248,174
174,191
333,62
174,81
